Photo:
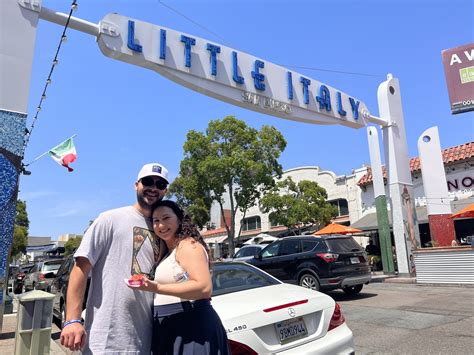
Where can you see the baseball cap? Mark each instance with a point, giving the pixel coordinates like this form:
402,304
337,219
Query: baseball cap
153,169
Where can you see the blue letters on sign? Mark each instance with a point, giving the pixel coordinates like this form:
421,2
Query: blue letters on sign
306,83
188,42
131,38
162,44
214,50
324,98
258,77
340,109
235,70
290,85
355,108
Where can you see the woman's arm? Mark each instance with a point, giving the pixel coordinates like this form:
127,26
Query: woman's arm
192,258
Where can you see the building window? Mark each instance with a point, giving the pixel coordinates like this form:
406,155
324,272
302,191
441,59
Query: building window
273,223
251,223
341,205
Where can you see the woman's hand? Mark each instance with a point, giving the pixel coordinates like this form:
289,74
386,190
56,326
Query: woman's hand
148,285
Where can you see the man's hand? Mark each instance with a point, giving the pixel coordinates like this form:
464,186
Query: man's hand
73,336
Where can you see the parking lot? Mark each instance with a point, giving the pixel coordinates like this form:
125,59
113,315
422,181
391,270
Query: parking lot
395,318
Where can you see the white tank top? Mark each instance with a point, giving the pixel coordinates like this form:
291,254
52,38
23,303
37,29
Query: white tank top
169,272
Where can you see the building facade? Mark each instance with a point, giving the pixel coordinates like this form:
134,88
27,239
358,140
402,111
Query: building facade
353,195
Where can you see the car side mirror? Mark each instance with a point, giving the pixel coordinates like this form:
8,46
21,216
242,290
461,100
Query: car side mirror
49,275
258,256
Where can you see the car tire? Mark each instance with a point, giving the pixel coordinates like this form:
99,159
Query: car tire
62,309
352,290
309,281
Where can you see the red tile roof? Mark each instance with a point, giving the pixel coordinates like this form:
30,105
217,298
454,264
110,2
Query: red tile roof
450,155
214,232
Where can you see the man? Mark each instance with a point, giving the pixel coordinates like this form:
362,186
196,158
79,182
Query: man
372,249
118,244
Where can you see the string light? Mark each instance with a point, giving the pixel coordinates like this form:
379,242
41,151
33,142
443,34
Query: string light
48,80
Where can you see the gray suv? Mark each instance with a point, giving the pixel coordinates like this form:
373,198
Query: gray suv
41,275
318,262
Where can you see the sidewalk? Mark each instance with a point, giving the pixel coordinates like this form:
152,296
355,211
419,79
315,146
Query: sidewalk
379,276
7,336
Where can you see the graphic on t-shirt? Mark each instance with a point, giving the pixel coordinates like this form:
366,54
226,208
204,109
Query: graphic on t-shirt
142,240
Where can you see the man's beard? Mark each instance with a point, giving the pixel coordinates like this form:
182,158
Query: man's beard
145,205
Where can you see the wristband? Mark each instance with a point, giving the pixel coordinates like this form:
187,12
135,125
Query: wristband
72,321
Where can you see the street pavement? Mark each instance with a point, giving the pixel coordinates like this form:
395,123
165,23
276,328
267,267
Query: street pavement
391,317
394,318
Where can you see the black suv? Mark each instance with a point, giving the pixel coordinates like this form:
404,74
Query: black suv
318,262
59,289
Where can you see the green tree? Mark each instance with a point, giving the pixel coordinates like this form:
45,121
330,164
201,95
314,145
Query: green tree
297,205
229,163
20,231
71,245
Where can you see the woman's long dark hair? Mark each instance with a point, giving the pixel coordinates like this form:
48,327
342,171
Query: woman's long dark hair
186,228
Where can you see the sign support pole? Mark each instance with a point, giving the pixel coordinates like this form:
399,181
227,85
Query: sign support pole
380,201
405,224
16,60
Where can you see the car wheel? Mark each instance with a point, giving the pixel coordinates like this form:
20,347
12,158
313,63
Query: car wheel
63,314
309,281
352,290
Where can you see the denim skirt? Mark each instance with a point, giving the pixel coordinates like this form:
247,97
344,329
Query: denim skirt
191,327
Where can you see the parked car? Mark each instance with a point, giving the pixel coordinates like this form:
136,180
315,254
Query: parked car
262,315
317,262
247,252
12,271
59,289
20,276
41,275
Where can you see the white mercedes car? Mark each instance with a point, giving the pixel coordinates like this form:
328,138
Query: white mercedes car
262,315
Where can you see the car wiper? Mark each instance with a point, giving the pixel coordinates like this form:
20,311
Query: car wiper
355,249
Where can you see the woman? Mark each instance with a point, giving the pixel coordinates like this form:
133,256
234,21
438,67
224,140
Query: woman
184,320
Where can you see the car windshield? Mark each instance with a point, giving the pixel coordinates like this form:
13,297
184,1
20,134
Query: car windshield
51,266
26,268
247,251
343,245
234,277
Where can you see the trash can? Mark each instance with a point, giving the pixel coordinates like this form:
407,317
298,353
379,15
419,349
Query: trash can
34,318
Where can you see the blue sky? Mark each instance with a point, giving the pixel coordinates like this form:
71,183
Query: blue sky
125,116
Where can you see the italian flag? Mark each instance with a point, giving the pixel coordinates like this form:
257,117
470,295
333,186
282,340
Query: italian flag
64,153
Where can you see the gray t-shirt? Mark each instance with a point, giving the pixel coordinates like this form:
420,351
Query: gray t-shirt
118,244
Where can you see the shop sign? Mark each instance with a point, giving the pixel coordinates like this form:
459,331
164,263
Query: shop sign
227,74
459,71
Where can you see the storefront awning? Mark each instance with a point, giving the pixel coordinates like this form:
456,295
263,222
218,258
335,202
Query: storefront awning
369,221
215,240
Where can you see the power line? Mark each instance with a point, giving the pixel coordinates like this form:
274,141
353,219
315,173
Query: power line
48,80
283,65
333,71
191,20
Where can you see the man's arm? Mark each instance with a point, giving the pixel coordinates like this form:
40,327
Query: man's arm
73,336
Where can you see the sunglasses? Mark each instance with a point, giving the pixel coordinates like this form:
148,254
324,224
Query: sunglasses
149,181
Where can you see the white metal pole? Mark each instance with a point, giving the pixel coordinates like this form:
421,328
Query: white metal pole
74,22
404,220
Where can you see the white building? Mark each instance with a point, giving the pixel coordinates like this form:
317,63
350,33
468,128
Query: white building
354,196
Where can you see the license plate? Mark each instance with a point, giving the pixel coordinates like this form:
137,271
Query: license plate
355,260
291,329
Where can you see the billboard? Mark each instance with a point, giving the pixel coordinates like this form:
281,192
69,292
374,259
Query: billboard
459,70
